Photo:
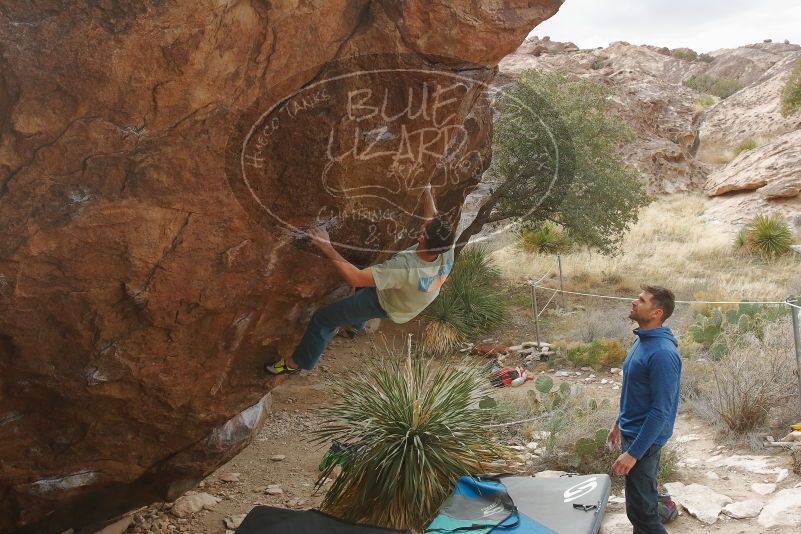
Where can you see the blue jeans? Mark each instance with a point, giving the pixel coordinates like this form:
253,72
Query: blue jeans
355,310
642,496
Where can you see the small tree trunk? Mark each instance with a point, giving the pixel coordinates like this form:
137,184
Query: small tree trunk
472,229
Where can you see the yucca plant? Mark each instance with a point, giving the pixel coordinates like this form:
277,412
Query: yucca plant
445,325
767,235
412,428
544,237
741,241
470,303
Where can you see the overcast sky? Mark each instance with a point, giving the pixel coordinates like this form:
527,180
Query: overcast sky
703,25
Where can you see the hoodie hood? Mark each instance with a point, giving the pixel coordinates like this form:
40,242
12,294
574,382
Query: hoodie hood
660,332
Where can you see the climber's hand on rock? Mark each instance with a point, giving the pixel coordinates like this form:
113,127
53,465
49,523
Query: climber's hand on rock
319,237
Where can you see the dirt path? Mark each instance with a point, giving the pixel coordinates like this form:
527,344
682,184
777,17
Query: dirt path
282,455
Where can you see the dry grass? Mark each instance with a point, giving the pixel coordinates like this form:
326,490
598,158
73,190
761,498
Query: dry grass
753,387
671,246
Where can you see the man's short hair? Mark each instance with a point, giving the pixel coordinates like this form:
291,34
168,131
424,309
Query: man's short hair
663,298
439,234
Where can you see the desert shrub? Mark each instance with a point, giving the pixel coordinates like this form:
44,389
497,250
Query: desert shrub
598,353
712,294
599,323
686,54
668,463
706,58
791,93
768,236
720,87
598,63
575,435
755,377
543,237
576,431
411,429
745,145
470,304
695,379
705,101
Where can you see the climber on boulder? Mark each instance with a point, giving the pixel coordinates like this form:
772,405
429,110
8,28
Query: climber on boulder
400,288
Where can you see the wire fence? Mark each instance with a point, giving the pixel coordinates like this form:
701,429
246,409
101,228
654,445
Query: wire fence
793,303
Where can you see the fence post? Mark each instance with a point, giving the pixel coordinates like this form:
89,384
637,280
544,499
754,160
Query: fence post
536,312
561,283
796,313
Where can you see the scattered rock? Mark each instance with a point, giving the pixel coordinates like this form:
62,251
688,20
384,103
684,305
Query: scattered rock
615,370
562,374
763,489
688,438
743,509
273,489
759,465
604,381
532,445
278,457
230,477
700,501
795,435
232,522
193,503
593,376
586,368
711,475
783,474
784,509
614,499
615,388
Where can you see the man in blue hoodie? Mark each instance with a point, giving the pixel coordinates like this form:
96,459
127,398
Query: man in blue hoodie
649,400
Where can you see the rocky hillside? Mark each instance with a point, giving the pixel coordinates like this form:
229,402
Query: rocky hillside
687,141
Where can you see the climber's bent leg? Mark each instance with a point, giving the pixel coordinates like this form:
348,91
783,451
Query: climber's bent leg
355,310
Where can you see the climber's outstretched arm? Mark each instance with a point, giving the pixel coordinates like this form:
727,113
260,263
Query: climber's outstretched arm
429,208
349,272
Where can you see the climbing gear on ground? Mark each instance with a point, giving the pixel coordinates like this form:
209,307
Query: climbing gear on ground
335,455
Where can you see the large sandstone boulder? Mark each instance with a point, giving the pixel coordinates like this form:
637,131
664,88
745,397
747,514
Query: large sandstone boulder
765,179
158,163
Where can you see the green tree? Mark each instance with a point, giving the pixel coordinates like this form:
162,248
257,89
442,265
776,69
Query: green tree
555,158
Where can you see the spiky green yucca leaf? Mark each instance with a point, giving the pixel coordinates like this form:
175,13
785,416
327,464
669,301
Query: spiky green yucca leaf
769,236
414,429
470,301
